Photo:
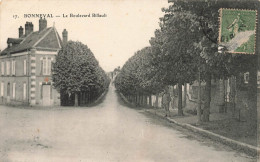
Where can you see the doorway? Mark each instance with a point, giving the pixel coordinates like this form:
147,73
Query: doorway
46,95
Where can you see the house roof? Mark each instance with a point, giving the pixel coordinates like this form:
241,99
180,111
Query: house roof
14,40
46,39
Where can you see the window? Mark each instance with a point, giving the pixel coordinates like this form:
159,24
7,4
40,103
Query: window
2,89
24,66
24,91
7,67
14,90
13,67
46,66
8,89
2,68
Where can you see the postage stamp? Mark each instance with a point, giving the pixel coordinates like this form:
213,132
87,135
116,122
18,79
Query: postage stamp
237,30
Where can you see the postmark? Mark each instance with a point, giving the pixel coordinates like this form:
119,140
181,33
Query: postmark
237,30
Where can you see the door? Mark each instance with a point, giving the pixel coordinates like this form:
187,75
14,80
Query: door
46,95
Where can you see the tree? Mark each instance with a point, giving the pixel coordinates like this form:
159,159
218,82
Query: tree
184,48
137,78
219,65
176,57
76,70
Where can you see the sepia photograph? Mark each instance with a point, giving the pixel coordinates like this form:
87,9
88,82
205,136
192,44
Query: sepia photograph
129,80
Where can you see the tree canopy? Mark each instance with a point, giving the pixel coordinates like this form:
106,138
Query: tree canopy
185,45
77,70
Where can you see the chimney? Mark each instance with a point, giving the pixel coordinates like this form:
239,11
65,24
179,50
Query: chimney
20,31
31,27
28,28
64,36
42,24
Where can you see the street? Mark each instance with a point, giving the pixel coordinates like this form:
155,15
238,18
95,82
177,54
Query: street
109,131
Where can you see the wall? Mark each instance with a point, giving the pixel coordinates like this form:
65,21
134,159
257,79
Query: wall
19,78
45,78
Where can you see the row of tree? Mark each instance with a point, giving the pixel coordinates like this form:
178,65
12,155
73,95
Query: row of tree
185,49
77,75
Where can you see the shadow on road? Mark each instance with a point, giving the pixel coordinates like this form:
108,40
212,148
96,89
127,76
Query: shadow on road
123,103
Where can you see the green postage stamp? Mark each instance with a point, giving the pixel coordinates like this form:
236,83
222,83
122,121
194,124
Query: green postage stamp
237,30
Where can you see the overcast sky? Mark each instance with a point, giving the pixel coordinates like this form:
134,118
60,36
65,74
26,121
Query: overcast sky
113,39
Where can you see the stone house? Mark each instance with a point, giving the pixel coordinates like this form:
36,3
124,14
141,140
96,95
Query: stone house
26,66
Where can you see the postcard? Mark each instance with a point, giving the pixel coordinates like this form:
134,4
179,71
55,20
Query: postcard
129,81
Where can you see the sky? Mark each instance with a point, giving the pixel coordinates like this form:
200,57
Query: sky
113,39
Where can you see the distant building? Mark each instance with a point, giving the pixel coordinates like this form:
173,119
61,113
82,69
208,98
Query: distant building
26,66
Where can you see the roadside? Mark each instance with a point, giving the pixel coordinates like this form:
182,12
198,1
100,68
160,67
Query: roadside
99,100
221,128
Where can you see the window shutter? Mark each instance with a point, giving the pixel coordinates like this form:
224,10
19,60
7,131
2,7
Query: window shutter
24,91
2,68
8,68
14,90
24,66
2,89
45,62
49,66
41,66
14,66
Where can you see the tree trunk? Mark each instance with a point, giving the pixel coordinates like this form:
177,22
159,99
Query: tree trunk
221,100
84,96
226,97
252,93
180,111
145,99
199,100
91,96
232,96
76,100
185,95
141,99
137,99
150,101
207,98
130,98
156,100
88,96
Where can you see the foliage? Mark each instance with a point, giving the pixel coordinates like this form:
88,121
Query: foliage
137,75
76,70
186,43
207,13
